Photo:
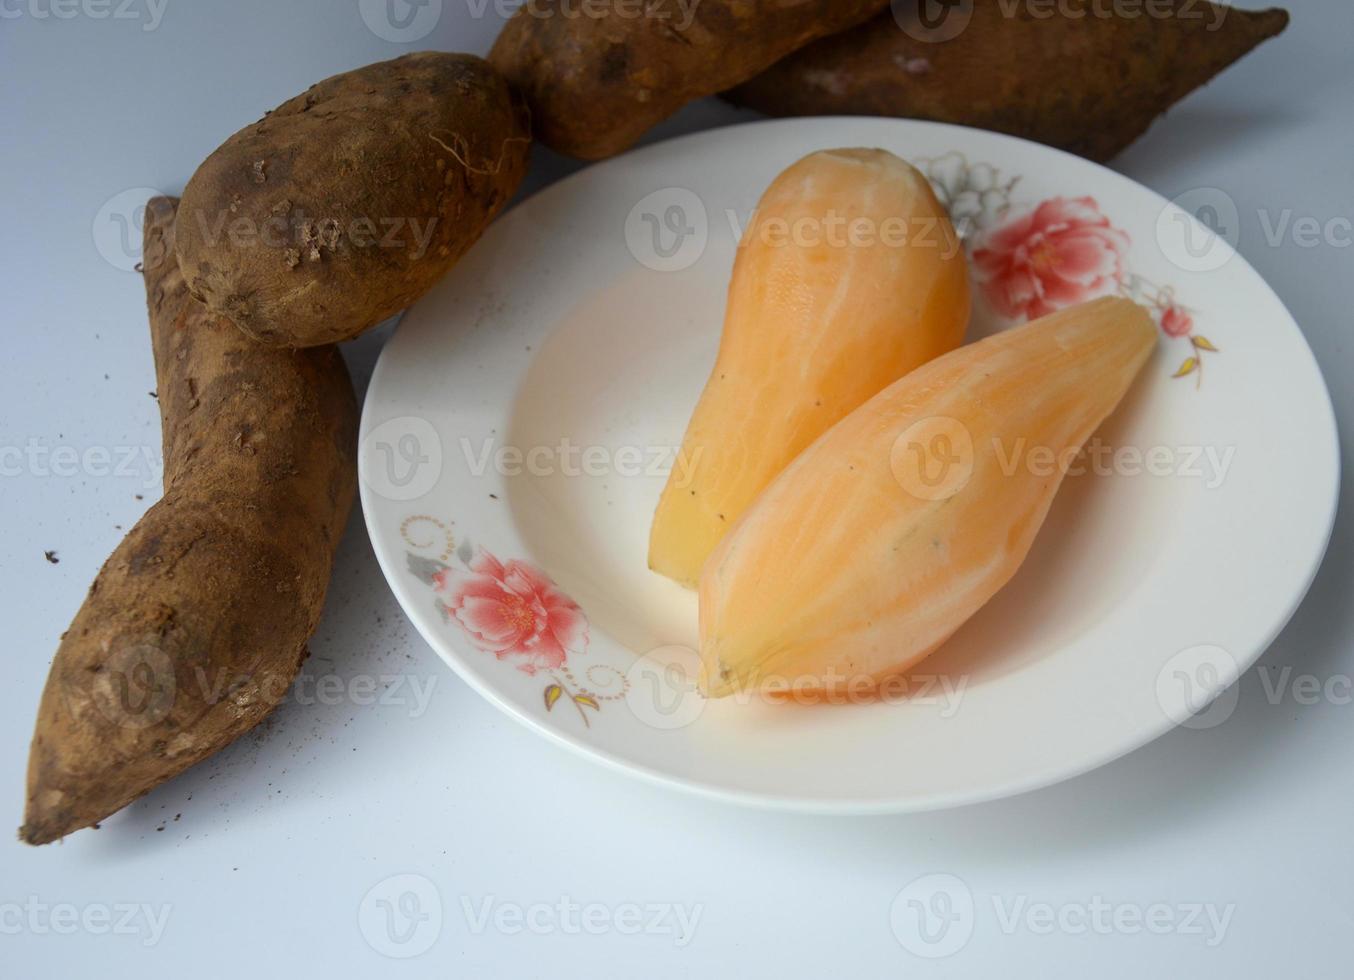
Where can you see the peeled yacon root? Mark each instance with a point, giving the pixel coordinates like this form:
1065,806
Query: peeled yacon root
848,276
598,75
890,531
196,625
1090,84
345,204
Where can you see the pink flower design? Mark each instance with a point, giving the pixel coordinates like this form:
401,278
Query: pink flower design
512,610
1062,253
1176,322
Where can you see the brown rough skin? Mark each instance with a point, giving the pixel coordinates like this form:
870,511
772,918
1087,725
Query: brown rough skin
344,205
197,624
598,75
1091,85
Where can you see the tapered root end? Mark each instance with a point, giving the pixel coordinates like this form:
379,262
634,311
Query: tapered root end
1267,23
60,801
43,825
1242,31
50,816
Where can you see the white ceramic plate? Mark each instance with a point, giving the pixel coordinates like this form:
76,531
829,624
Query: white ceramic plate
579,333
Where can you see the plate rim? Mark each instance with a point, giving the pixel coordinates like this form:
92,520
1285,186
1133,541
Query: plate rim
846,806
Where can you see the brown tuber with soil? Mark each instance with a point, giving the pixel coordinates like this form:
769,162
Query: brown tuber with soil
197,624
345,204
597,81
1090,84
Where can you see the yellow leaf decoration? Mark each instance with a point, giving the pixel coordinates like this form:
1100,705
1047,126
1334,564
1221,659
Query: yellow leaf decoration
590,702
552,694
1203,343
1190,363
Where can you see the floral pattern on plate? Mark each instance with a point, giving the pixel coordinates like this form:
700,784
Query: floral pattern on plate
1032,260
513,610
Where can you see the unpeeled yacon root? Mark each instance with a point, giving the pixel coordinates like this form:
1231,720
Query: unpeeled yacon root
1090,84
348,202
597,78
888,533
197,623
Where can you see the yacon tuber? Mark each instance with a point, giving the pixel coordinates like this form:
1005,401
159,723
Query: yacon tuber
883,537
849,276
345,204
1085,78
597,76
198,622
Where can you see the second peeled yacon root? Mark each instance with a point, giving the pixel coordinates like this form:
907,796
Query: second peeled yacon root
889,532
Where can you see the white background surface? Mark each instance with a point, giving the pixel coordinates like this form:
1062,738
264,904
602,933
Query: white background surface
259,859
